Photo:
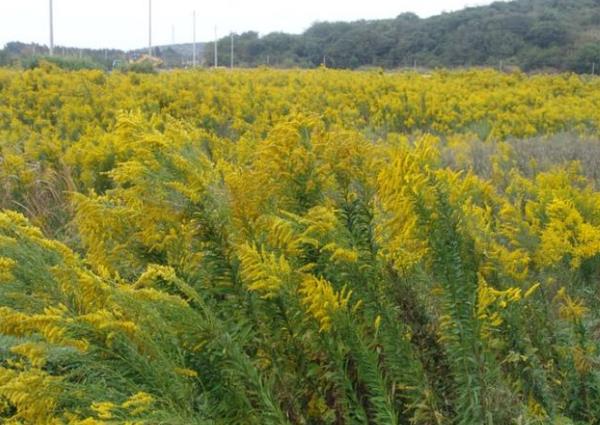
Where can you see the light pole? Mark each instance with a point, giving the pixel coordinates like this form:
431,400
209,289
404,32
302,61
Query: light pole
216,49
231,50
194,41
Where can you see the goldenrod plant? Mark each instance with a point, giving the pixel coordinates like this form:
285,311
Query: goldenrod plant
299,247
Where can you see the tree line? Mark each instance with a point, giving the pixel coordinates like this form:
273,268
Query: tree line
530,34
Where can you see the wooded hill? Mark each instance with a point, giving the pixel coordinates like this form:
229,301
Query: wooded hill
530,34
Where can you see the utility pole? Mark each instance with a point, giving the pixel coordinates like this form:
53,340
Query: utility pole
216,49
194,41
231,37
51,29
231,49
594,68
149,27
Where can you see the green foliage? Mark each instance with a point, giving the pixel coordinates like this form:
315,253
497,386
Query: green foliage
66,63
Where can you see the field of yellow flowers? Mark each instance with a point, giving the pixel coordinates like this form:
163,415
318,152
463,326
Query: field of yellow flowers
299,247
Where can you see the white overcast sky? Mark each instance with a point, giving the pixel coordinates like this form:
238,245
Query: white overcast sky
124,23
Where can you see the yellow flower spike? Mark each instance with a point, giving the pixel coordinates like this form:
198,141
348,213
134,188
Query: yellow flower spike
344,255
490,301
400,184
6,268
320,299
572,310
567,234
34,352
357,306
138,403
377,323
535,409
104,409
32,392
263,272
531,290
105,320
188,373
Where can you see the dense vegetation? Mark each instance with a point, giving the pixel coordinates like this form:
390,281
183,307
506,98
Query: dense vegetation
299,247
31,55
529,34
